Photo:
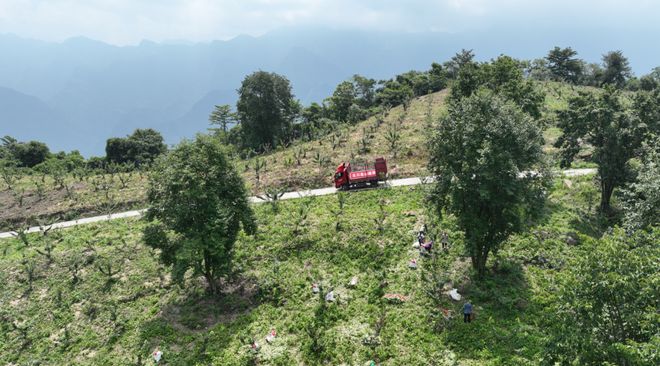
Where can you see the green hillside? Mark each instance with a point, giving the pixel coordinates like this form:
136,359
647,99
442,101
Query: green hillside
101,298
86,194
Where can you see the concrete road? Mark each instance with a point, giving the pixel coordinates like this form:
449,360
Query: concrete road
256,199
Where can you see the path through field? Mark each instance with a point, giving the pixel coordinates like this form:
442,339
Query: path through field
255,199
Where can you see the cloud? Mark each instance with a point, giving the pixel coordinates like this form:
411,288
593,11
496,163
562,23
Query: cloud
129,21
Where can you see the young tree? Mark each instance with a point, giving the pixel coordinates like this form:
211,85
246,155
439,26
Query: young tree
481,152
617,70
606,312
265,108
602,122
222,116
198,203
563,64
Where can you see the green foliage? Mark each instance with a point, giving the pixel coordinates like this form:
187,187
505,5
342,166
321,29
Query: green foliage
266,110
642,197
606,311
458,62
341,100
480,150
651,81
393,138
196,194
139,148
222,116
603,122
646,106
395,93
365,93
145,310
23,154
616,69
563,64
504,76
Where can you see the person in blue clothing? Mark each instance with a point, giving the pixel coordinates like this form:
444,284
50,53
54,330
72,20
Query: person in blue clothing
467,312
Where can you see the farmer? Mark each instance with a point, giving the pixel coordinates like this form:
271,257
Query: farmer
420,237
426,247
467,312
444,240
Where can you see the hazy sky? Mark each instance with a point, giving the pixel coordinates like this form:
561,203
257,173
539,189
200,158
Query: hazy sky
130,21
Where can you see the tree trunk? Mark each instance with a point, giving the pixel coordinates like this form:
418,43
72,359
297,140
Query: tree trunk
605,196
208,273
479,257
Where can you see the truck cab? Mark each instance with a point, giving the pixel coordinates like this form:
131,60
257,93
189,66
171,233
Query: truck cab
341,175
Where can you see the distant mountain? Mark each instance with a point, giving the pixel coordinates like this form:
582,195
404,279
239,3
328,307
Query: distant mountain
95,90
26,117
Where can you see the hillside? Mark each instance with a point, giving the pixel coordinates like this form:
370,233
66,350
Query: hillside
60,308
88,195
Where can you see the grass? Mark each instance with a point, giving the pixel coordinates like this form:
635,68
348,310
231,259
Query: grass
120,319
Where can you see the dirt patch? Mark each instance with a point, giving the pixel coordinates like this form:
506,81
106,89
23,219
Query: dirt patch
201,314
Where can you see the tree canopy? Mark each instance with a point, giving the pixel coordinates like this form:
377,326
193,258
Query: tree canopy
602,121
198,203
266,109
222,116
22,154
504,76
482,150
139,148
563,64
607,304
616,69
642,197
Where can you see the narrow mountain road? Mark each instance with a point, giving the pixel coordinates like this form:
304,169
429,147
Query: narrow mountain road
255,199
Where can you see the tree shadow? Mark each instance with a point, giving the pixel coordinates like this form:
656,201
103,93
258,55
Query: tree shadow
188,330
503,312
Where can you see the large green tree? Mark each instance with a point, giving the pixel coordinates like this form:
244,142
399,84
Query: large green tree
365,91
266,109
563,64
139,148
606,310
341,100
483,155
197,205
504,76
31,153
616,69
601,121
23,154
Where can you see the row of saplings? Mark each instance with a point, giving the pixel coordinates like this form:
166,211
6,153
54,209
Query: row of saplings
109,266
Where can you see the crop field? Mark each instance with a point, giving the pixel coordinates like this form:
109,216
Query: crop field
96,295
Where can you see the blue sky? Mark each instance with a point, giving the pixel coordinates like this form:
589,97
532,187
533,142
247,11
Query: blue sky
125,22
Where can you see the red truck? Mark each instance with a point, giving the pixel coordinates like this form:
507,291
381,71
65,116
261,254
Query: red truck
348,176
